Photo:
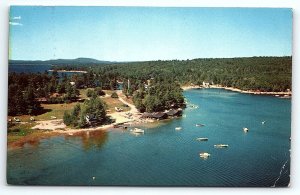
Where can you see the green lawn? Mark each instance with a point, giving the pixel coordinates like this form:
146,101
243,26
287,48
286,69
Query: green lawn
114,102
18,130
56,110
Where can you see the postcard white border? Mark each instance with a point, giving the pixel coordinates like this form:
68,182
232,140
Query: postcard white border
295,177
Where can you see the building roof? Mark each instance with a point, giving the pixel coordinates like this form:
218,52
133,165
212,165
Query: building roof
174,112
156,115
159,115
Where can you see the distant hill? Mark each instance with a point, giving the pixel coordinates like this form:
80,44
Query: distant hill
77,61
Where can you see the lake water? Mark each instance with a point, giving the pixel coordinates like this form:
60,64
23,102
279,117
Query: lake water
41,68
166,157
19,68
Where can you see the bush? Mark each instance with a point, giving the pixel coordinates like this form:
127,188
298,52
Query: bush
67,118
99,91
89,93
114,95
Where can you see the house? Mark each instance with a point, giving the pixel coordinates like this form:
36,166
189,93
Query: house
159,115
146,115
205,85
174,112
72,83
43,99
91,119
155,115
55,95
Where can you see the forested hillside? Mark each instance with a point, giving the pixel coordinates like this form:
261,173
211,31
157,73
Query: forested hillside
154,85
256,73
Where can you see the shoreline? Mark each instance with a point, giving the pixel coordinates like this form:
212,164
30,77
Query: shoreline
49,128
281,93
40,134
71,71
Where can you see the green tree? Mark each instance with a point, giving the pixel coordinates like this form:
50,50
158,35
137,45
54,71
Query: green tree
67,118
95,107
89,93
99,91
114,95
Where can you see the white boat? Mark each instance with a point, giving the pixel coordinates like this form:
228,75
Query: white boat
17,119
204,155
178,128
245,129
202,139
200,125
137,130
221,145
263,122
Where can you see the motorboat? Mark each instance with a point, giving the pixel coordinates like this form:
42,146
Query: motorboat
202,139
204,155
221,145
137,130
178,128
245,129
200,125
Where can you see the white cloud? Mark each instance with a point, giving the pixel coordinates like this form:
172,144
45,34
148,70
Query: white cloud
17,18
15,24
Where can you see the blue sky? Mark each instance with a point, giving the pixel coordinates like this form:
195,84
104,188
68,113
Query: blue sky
148,33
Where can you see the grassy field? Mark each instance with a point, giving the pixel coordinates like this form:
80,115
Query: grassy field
83,92
129,100
57,110
18,130
114,102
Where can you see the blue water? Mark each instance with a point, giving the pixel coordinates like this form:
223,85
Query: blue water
166,157
28,68
41,68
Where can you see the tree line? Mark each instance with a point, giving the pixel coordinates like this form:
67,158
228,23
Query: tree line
248,73
166,77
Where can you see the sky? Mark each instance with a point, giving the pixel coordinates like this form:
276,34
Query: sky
148,33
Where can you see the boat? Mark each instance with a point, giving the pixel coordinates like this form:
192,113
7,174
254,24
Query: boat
178,128
221,145
17,119
263,122
204,155
245,129
202,139
200,125
137,130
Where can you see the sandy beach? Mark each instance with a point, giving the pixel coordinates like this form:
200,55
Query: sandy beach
74,71
187,87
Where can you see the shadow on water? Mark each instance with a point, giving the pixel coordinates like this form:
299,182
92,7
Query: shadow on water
90,139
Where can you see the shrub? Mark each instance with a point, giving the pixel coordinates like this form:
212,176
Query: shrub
99,91
114,95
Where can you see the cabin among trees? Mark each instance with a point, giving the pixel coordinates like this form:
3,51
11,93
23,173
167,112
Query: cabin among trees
91,113
155,115
162,115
